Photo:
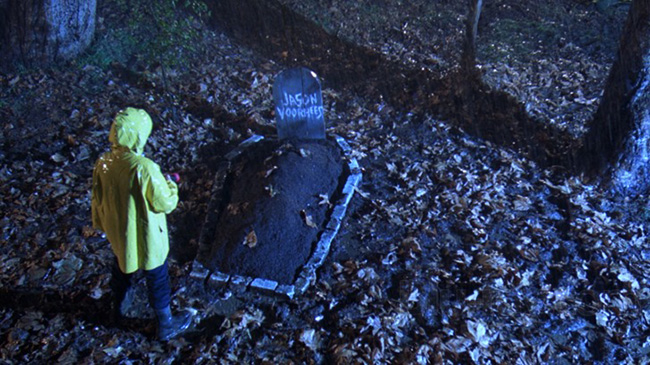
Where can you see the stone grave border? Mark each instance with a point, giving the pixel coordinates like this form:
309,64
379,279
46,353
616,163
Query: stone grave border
307,275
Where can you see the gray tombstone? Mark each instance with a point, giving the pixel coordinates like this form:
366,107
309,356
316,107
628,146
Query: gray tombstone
299,104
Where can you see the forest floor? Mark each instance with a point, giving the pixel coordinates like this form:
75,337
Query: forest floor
454,250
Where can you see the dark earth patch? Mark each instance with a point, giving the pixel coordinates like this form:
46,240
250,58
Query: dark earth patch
274,205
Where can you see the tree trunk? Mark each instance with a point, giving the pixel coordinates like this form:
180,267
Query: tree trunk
616,134
468,58
37,32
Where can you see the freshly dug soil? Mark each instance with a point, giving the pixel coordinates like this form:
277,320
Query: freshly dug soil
274,207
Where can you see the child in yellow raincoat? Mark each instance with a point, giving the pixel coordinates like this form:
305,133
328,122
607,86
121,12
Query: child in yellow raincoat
130,201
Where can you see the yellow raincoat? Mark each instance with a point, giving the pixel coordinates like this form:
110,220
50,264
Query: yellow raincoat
130,196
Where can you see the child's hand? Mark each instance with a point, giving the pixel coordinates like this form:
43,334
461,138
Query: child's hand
175,177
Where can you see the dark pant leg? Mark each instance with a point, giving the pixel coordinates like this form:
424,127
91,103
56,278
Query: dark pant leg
120,284
158,286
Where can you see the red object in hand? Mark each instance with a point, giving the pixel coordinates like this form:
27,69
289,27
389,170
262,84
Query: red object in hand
174,177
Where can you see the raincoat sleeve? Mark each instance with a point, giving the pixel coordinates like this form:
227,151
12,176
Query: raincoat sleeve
161,193
96,200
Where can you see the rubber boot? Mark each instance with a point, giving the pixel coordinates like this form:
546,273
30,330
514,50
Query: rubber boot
171,326
121,304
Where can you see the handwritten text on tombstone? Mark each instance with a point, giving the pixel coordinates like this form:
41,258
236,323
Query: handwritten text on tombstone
299,106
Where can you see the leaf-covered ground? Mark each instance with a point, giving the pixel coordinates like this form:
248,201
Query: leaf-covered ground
454,250
553,56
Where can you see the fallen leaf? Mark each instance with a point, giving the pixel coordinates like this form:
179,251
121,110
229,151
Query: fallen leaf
250,240
479,332
311,339
270,171
602,318
308,219
324,200
521,203
57,157
271,189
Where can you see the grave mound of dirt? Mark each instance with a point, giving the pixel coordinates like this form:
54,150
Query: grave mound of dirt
275,203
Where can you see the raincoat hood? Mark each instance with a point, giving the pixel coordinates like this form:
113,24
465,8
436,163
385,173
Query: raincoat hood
130,129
